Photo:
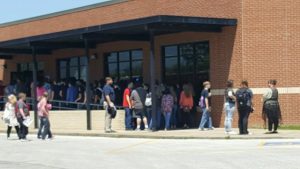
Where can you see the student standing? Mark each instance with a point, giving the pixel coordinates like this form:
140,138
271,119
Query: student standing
127,106
229,107
186,104
43,113
109,99
22,114
175,108
167,103
271,107
138,97
148,105
206,108
244,98
9,115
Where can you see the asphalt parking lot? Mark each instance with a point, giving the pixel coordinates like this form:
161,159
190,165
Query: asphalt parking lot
67,152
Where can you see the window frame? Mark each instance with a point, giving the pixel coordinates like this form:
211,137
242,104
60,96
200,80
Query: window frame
68,67
179,67
118,61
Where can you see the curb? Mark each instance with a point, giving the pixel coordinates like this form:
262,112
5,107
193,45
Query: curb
142,136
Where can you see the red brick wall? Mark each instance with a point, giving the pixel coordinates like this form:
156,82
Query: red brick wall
124,11
271,49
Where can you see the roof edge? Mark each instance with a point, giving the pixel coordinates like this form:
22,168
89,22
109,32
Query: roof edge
65,12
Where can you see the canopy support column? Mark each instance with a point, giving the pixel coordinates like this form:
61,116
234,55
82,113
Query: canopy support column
34,75
88,88
152,80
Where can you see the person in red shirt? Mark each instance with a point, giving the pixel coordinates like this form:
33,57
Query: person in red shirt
127,106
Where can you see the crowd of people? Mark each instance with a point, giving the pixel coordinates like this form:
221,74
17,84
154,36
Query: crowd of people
174,104
70,93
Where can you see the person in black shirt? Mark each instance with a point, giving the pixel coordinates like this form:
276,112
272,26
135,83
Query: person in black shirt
244,98
229,107
271,107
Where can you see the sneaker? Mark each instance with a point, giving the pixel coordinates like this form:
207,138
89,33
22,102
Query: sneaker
138,129
211,128
185,126
268,132
201,129
232,133
275,132
108,131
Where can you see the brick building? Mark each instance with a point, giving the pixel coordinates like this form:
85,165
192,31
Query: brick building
193,40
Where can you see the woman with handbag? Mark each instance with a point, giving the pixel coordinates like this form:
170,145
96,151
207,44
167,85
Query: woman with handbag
43,112
271,107
186,103
9,116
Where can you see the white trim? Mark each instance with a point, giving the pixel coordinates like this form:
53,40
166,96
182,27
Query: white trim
281,90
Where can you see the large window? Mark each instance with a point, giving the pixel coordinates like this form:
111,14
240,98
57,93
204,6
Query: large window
186,63
73,67
124,64
23,67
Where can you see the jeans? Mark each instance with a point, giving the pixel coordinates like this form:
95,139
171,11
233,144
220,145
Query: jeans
149,116
243,119
39,134
167,119
128,118
206,118
158,118
229,109
46,128
23,129
174,115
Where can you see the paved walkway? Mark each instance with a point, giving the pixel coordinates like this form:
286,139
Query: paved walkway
218,133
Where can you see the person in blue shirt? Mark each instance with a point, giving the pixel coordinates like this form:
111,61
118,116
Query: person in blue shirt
72,93
206,107
109,100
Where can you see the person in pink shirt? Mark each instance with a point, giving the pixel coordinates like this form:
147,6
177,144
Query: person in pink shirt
43,113
167,103
40,90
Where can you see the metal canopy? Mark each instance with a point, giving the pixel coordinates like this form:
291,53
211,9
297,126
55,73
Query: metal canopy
130,30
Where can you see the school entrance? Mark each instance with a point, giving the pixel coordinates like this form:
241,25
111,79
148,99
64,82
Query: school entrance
186,63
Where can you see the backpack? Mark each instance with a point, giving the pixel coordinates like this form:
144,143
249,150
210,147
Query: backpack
243,98
202,102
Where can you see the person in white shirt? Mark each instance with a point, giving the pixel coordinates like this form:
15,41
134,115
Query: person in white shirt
9,115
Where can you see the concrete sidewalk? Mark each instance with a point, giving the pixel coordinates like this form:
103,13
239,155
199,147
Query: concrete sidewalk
218,133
